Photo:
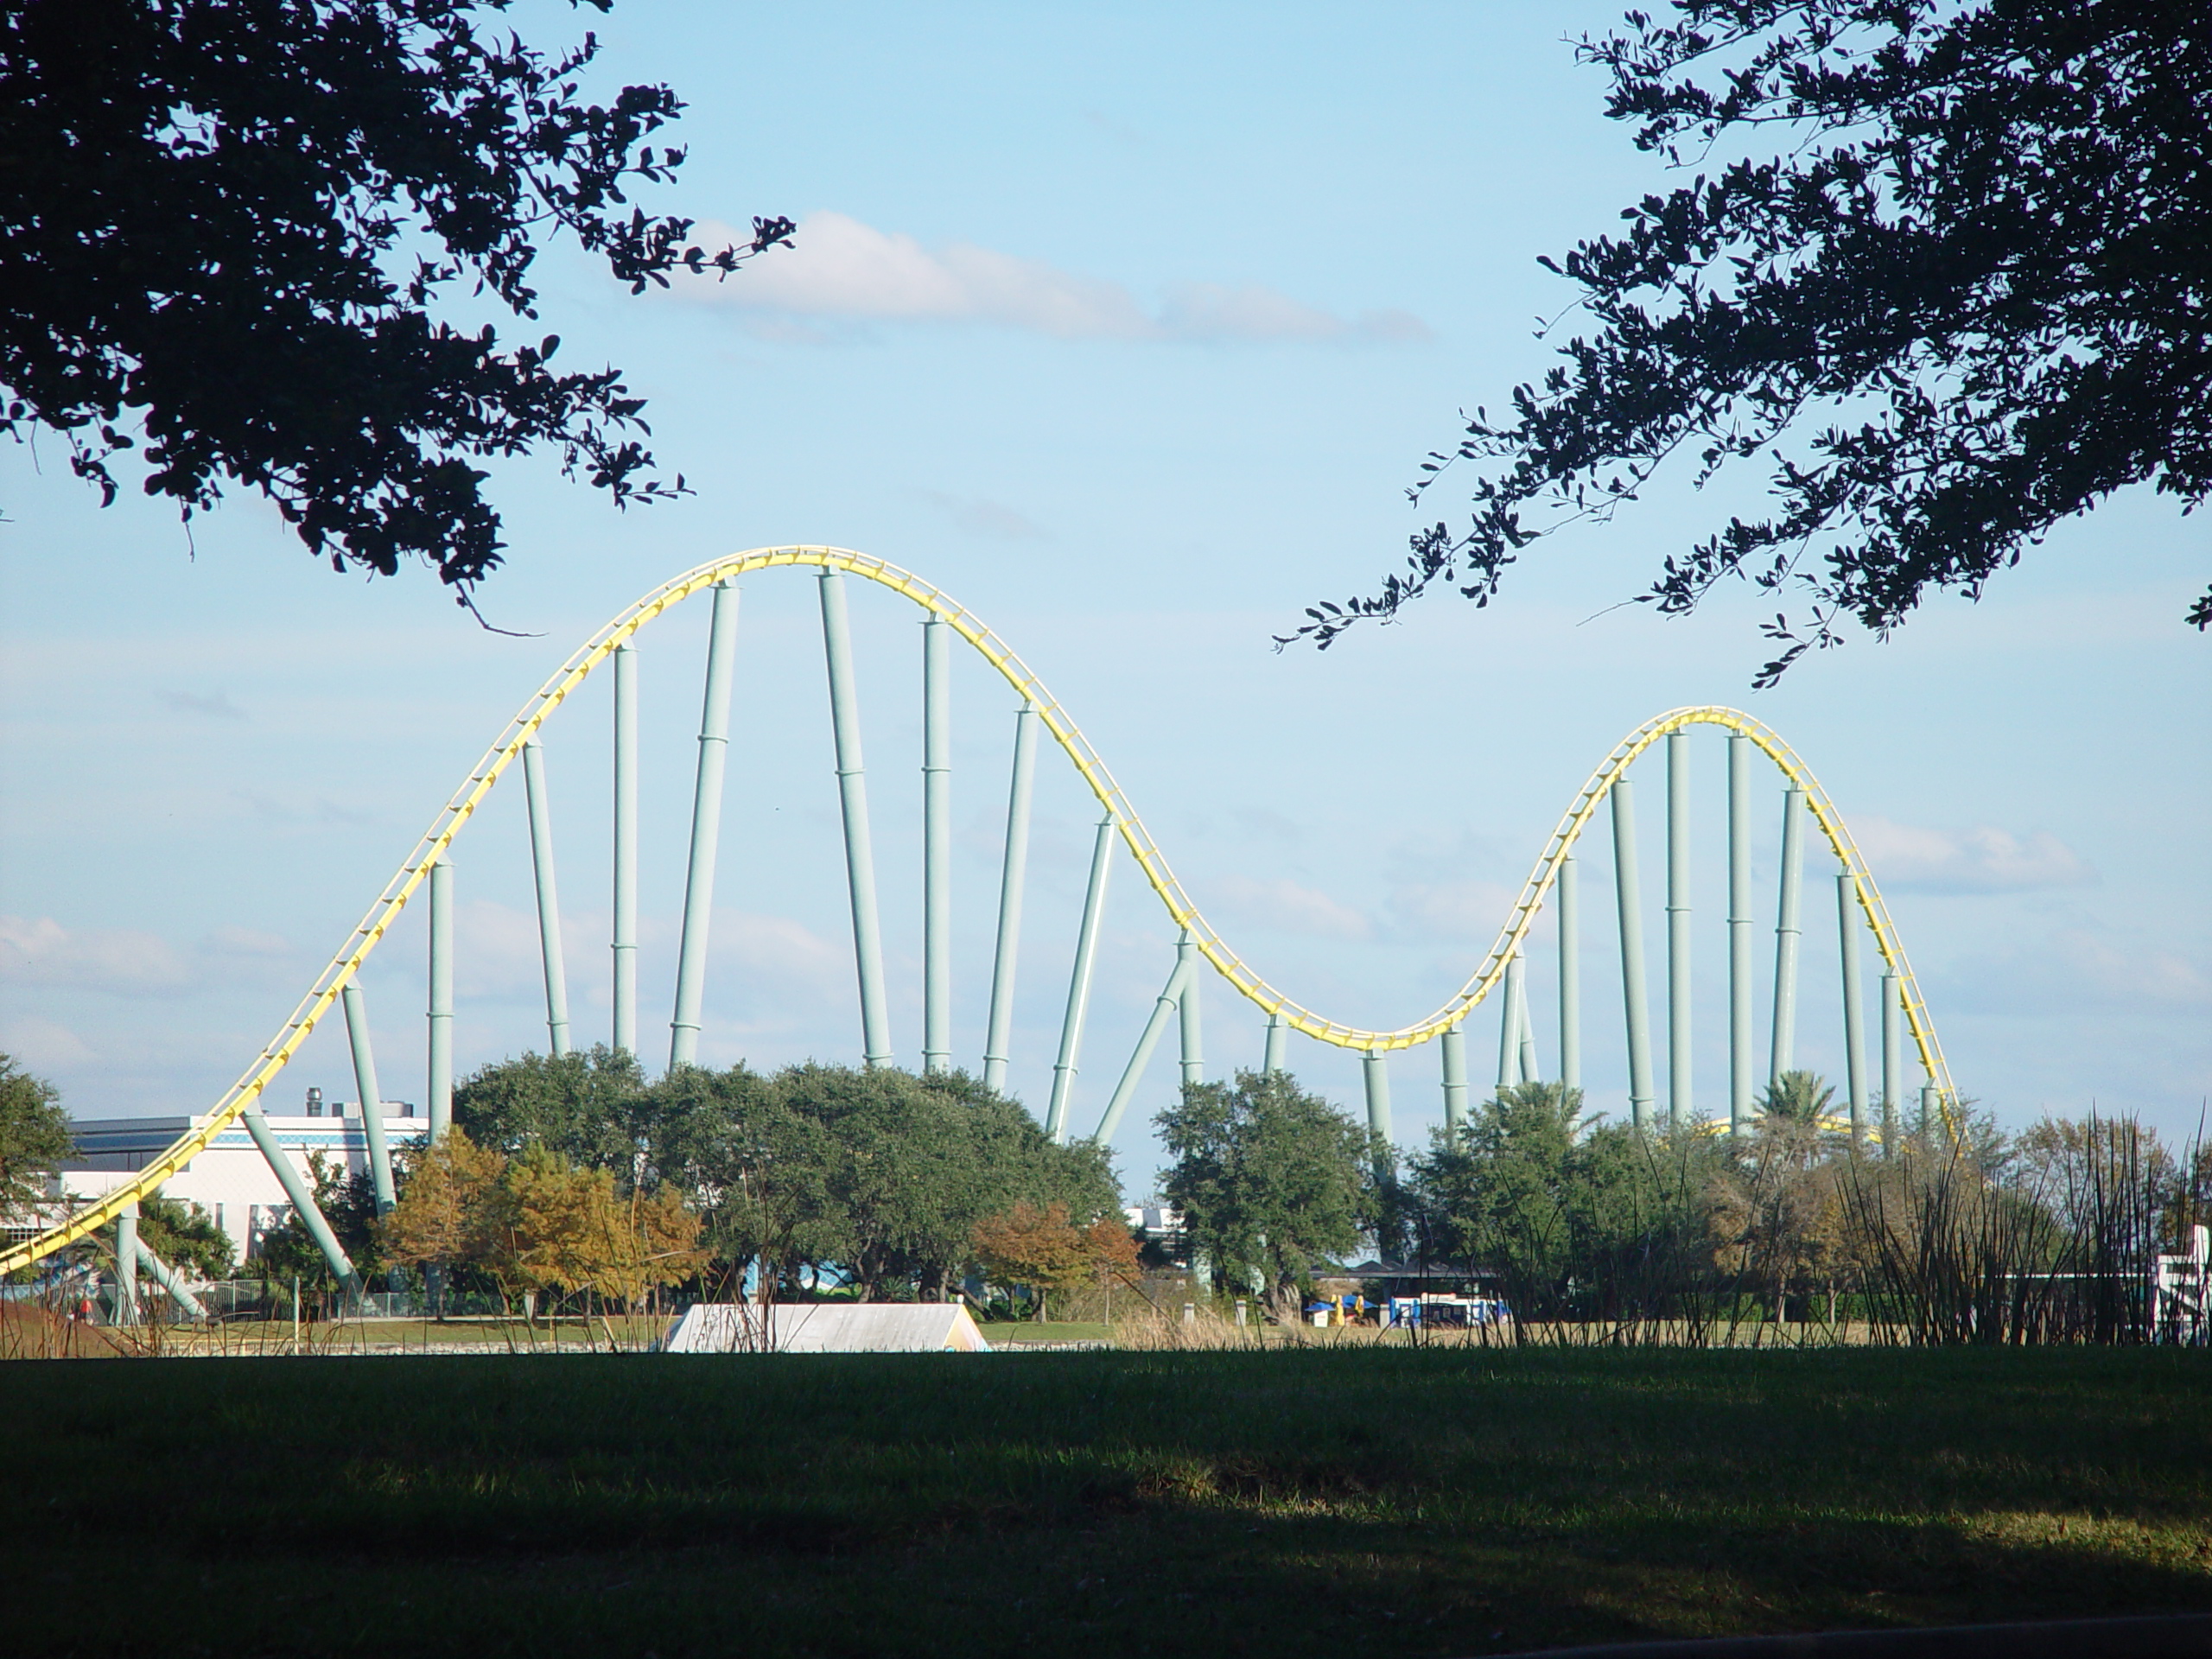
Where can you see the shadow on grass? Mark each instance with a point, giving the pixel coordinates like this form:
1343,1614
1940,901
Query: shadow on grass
1294,1503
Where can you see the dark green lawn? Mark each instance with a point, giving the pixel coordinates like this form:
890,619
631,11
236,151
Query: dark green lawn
1364,1501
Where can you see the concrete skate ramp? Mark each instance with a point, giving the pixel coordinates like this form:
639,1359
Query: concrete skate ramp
827,1328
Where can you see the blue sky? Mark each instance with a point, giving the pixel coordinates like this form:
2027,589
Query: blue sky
1128,329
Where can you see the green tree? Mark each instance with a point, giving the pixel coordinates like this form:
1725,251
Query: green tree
1954,295
590,1105
1799,1098
36,1135
186,1237
1271,1180
251,234
1575,1218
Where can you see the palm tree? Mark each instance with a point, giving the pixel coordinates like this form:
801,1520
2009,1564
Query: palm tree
1797,1096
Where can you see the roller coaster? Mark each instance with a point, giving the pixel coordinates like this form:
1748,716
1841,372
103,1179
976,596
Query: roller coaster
1875,1103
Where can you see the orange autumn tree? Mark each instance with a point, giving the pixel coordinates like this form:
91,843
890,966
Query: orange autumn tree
1042,1250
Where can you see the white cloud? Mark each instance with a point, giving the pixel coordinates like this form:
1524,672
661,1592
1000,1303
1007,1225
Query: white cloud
2072,968
40,1045
1457,912
840,270
1288,907
218,705
1982,860
41,951
977,517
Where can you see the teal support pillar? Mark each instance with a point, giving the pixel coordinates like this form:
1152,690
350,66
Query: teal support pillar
1453,1043
549,897
127,1264
1013,878
440,1105
852,799
1931,1108
1854,1013
1513,993
1163,1009
303,1202
706,831
937,845
1680,1108
1740,1063
1086,957
172,1284
1635,1003
364,1081
1570,973
625,943
1531,1072
1787,934
1892,1061
1376,1070
1278,1042
1186,1006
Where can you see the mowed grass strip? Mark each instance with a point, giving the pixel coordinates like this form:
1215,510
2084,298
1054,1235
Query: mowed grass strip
1389,1501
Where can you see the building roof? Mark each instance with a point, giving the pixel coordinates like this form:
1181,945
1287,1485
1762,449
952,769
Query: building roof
827,1328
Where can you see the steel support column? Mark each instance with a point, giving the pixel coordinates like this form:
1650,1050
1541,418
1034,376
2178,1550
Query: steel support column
1277,1040
1186,1005
1508,1023
1013,878
1170,998
1530,1070
937,845
1376,1071
706,830
440,1105
126,1264
1453,1043
364,1081
1892,1061
625,943
302,1201
1787,934
1740,1086
1931,1109
852,798
1854,1013
1570,975
172,1284
1086,955
548,899
1633,998
1679,1107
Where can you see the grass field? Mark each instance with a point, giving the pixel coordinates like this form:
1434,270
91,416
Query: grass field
1380,1501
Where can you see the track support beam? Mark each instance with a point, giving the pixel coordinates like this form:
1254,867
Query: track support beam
1013,876
1892,1062
549,897
1169,1000
171,1282
1740,923
1787,934
1679,1050
1510,1013
1634,999
1086,957
1570,973
1854,1012
937,845
624,945
440,1105
303,1202
852,800
1186,1005
127,1264
1374,1069
1454,1045
1273,1055
364,1081
706,831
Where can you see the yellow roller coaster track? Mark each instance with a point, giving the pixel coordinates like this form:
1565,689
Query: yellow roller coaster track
1184,914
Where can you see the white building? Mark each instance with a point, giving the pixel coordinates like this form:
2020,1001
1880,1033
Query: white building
230,1179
